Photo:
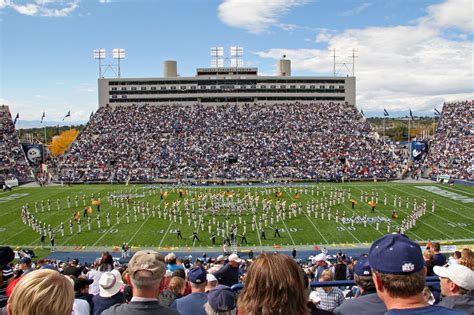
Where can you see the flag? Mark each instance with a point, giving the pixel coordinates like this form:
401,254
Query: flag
16,118
437,113
385,113
67,115
297,196
411,115
279,194
92,114
89,210
362,112
42,117
372,203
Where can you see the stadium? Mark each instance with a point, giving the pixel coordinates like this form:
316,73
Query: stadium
235,178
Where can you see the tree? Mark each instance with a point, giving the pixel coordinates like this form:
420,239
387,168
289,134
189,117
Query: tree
60,143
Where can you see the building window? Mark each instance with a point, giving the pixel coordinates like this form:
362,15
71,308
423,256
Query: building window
331,86
163,88
143,88
213,87
312,86
273,86
173,87
183,88
203,87
341,86
153,88
292,86
282,86
114,89
134,89
263,86
193,87
124,89
302,86
322,87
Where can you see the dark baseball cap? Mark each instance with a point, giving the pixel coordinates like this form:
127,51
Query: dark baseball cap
197,275
221,299
362,267
80,283
396,254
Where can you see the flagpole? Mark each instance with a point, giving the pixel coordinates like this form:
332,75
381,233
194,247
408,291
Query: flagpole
385,117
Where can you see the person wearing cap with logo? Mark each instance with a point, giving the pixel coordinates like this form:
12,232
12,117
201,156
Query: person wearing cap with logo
145,272
229,274
457,287
193,304
399,272
368,302
221,301
110,284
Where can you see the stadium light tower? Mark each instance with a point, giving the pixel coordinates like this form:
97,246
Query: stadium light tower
236,54
217,54
118,53
99,54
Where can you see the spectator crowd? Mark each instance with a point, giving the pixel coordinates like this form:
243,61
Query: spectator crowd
13,163
389,279
452,150
253,141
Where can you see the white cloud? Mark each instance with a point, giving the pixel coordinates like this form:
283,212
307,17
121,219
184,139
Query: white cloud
4,3
452,13
255,16
357,10
46,8
397,67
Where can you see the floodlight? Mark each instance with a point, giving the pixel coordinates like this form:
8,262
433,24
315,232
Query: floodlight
236,53
99,54
217,54
118,53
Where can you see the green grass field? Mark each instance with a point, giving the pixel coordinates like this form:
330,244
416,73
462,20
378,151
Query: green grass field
453,218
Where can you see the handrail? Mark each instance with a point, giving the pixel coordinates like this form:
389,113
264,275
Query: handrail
339,283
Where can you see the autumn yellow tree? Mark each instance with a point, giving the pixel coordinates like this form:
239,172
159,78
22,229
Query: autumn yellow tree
60,143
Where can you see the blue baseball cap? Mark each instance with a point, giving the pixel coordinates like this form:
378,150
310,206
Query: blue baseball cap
221,299
362,267
197,275
395,254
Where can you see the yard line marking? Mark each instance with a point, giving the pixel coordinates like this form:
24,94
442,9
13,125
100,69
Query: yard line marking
148,217
289,233
166,233
446,219
317,230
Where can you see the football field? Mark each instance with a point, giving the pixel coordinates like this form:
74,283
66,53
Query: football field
309,214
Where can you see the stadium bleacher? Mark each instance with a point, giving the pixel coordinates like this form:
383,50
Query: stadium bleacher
251,141
13,163
452,150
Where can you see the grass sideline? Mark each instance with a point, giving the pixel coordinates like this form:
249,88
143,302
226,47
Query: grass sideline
452,220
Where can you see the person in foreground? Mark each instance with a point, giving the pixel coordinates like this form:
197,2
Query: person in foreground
368,302
457,287
273,285
193,304
146,270
38,292
399,272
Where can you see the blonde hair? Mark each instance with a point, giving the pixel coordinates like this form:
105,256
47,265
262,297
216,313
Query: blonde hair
326,275
274,284
177,285
42,292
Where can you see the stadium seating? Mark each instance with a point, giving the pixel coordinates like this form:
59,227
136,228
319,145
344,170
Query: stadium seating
13,163
252,141
451,152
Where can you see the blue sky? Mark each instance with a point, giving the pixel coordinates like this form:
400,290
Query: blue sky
411,54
